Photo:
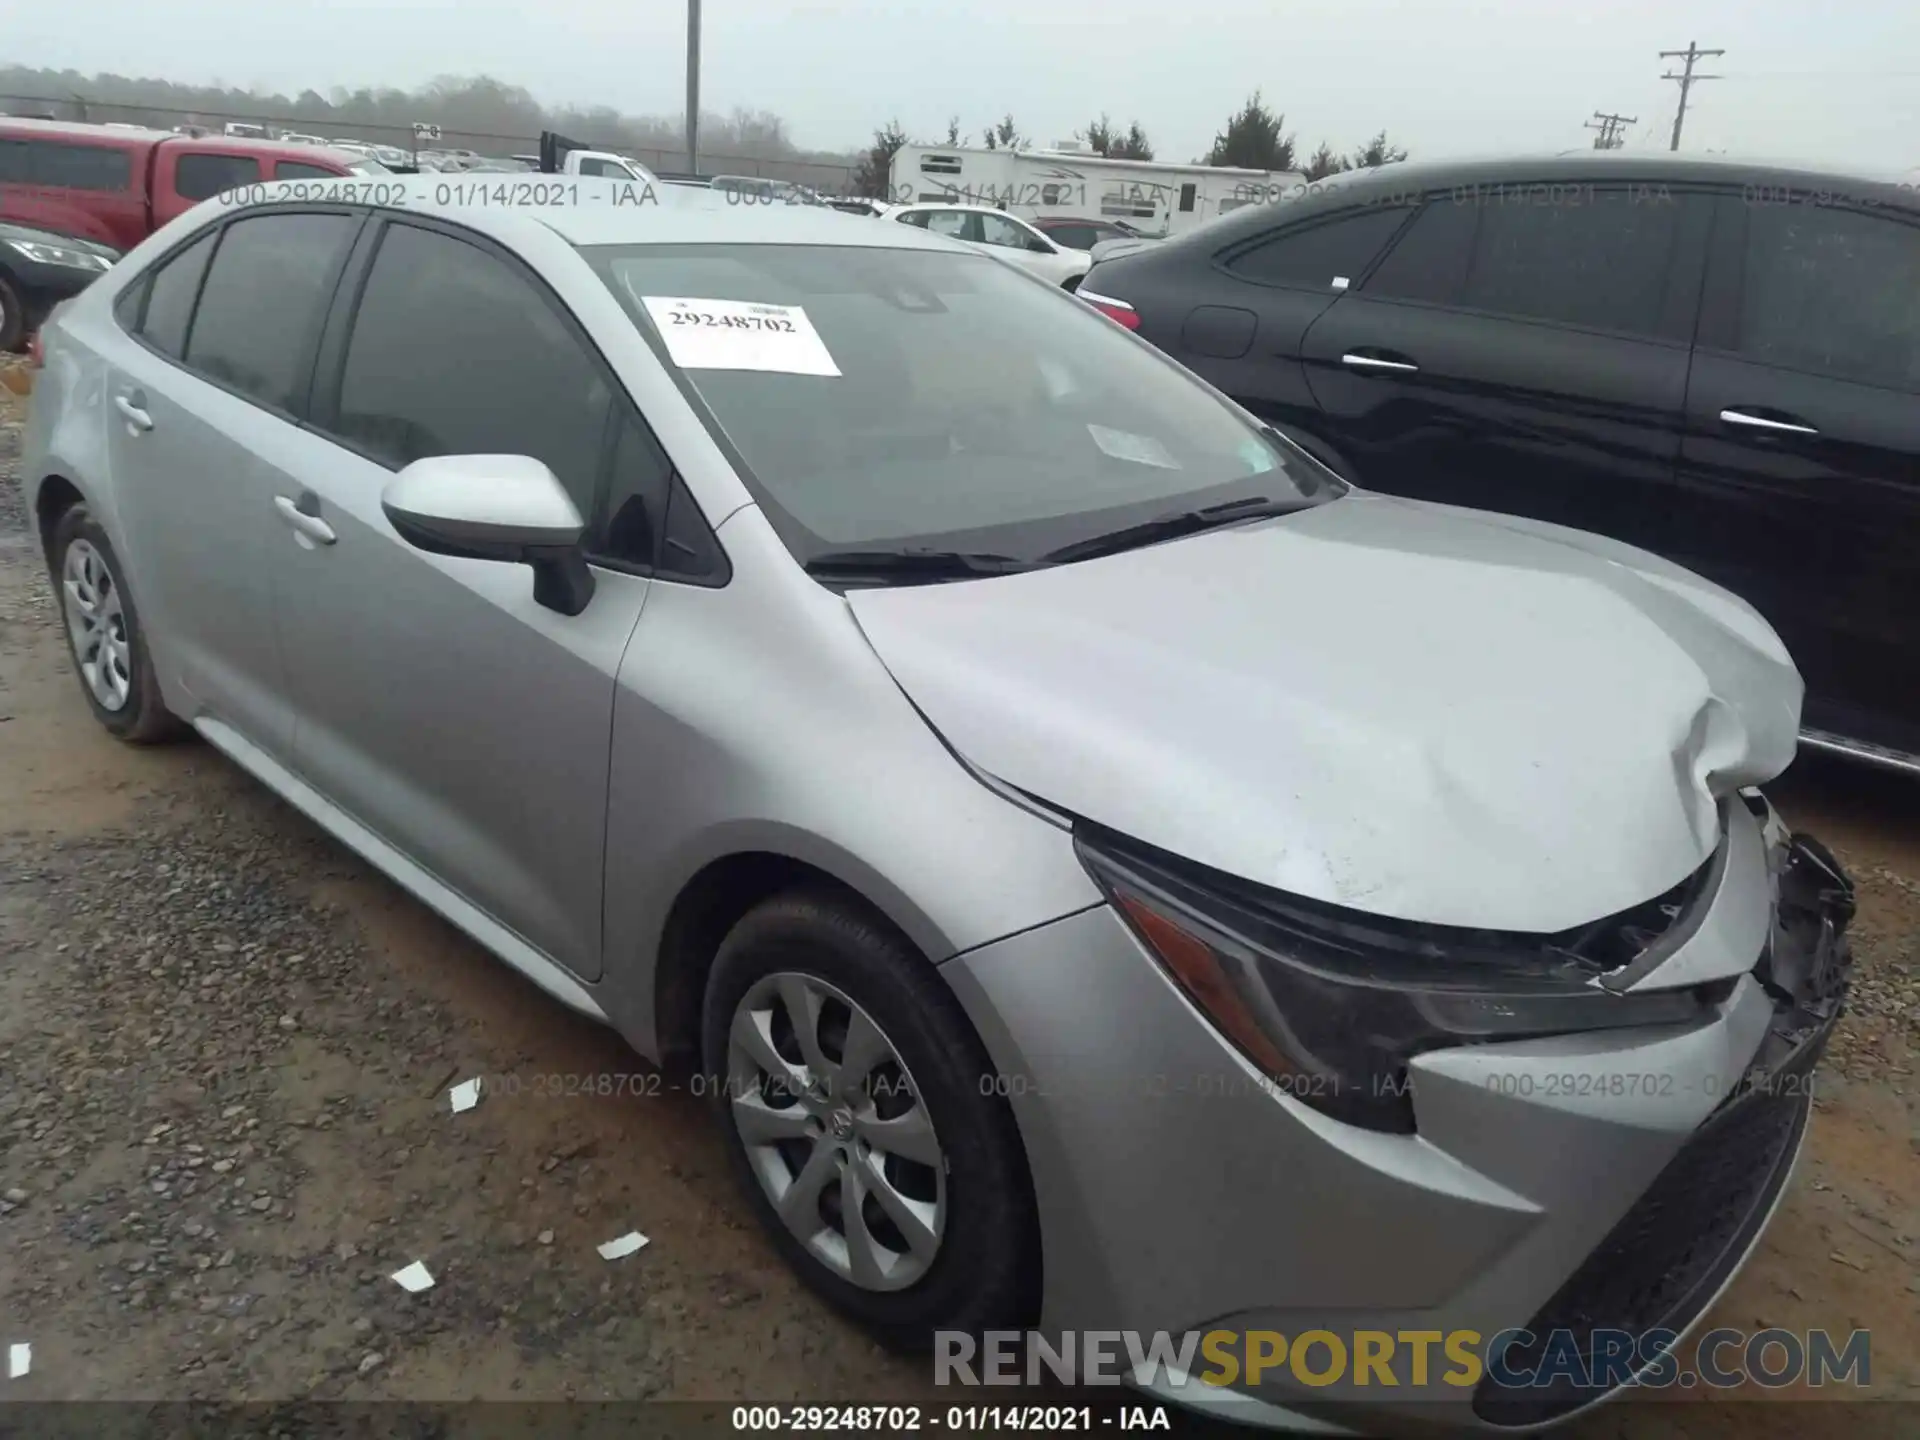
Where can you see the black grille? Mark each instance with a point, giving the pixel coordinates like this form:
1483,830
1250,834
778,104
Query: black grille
1661,1265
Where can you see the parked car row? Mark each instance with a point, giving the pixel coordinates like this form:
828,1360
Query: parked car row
1110,872
1715,361
116,185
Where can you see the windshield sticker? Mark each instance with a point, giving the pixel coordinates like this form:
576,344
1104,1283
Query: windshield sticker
1140,449
739,335
1258,457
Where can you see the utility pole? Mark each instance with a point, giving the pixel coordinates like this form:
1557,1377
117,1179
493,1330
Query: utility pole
1687,80
1610,127
693,87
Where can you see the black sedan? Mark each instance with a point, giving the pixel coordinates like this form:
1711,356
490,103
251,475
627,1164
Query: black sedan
39,269
1717,361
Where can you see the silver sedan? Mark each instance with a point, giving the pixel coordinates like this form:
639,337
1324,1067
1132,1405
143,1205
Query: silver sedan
1109,873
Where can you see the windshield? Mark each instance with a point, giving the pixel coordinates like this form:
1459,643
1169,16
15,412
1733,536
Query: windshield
913,399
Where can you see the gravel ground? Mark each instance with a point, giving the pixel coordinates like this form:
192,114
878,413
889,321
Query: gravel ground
224,1050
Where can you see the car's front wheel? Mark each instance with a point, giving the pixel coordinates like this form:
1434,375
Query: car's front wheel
103,631
861,1116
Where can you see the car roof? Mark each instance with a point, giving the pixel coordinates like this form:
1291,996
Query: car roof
1410,179
589,211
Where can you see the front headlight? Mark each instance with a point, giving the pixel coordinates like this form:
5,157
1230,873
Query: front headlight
42,253
1330,1004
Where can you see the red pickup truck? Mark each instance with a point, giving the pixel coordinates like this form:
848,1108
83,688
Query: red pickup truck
117,187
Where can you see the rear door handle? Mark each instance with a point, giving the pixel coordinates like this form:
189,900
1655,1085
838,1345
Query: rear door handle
309,527
1760,422
1374,362
131,406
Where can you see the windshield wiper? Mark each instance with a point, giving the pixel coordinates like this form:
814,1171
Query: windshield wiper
1171,527
911,565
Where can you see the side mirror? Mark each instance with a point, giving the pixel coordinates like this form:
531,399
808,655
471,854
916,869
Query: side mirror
508,508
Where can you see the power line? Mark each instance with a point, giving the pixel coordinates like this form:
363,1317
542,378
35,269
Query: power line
1687,81
1609,127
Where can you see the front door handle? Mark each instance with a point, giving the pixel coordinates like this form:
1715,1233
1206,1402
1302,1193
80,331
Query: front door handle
1760,422
133,407
308,527
1355,361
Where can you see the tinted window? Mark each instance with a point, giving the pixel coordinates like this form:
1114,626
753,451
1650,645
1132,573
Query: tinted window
1074,237
1601,264
1833,291
79,167
1430,260
171,295
454,352
1570,254
607,167
261,301
201,177
13,162
302,170
1314,257
916,218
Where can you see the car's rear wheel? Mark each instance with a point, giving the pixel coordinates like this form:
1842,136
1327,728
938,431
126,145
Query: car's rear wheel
13,317
103,631
861,1118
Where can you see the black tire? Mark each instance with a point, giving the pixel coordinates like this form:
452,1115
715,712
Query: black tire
986,1273
13,317
144,719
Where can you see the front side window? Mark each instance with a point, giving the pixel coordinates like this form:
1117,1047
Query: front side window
999,230
1833,291
454,352
927,398
597,168
303,170
271,277
1074,237
172,289
201,177
956,223
1318,255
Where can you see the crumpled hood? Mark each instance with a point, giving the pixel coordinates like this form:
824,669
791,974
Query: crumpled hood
1408,709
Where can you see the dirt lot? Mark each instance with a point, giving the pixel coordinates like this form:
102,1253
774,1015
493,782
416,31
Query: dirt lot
224,1050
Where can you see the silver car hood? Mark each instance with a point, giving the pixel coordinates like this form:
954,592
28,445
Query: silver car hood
1408,709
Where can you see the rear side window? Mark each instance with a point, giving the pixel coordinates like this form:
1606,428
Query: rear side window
454,352
302,170
271,276
170,295
13,162
201,177
1074,237
1576,255
1318,256
78,167
1833,291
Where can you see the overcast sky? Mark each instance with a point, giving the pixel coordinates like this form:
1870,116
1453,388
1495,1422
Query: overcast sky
1827,81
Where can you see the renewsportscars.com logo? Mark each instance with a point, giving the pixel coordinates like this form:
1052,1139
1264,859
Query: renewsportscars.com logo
1598,1360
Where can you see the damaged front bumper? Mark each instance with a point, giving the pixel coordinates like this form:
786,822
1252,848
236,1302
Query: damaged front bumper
1605,1181
1664,1263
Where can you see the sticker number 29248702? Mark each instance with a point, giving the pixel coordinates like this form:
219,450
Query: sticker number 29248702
739,335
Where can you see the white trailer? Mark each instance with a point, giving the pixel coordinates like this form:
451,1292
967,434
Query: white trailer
1146,196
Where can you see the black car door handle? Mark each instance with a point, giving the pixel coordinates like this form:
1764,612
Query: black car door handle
1746,421
1353,360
